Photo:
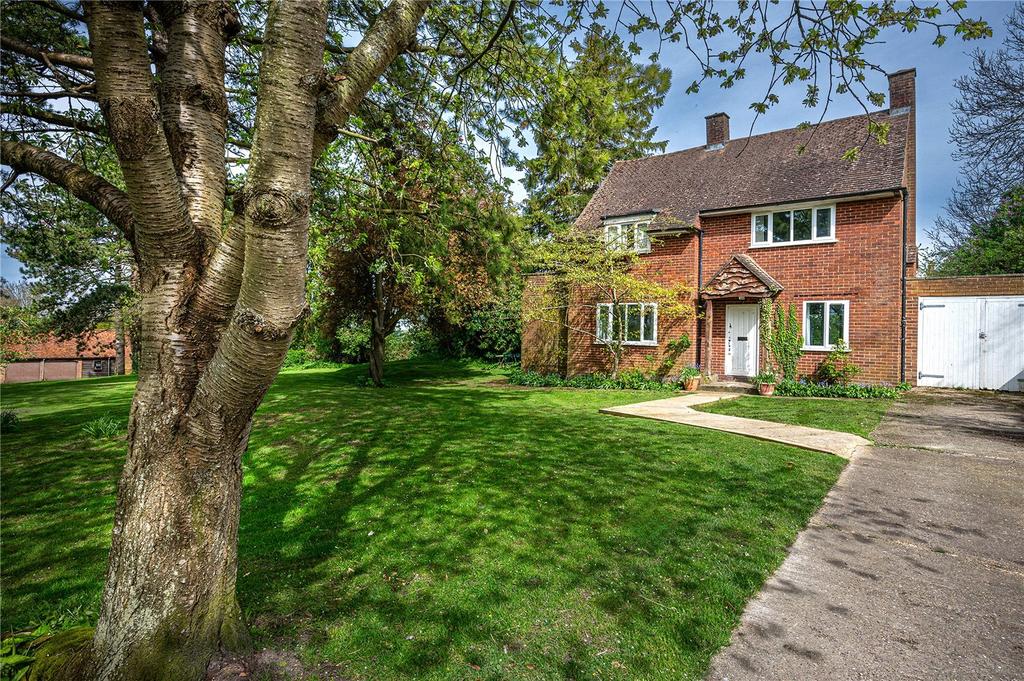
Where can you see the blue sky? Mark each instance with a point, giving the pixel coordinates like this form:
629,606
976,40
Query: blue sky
681,118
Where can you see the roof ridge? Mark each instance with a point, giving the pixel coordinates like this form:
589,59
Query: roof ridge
703,147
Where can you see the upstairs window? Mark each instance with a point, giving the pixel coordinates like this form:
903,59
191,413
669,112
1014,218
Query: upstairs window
630,235
800,225
632,323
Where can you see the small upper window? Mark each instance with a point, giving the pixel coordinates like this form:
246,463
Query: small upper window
800,225
629,235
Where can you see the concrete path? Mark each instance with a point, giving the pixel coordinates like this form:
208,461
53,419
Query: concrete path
678,410
914,566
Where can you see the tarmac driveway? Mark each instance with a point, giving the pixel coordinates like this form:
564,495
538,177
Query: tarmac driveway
914,566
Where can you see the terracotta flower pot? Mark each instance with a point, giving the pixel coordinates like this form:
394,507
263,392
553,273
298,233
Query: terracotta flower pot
766,389
691,384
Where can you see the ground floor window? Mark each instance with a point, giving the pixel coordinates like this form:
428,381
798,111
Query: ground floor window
632,323
826,322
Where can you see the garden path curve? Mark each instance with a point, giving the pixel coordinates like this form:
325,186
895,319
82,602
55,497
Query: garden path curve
680,410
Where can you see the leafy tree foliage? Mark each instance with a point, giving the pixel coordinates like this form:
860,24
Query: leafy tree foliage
79,265
595,111
992,247
411,228
987,131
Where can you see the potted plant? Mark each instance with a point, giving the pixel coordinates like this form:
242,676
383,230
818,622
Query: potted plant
766,382
690,376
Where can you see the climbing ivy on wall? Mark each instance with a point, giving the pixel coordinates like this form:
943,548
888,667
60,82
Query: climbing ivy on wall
780,334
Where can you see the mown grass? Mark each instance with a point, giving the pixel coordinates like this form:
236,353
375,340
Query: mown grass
849,416
442,528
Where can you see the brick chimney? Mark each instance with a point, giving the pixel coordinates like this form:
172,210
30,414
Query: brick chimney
718,129
901,90
902,96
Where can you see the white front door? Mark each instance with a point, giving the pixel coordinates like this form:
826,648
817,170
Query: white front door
741,340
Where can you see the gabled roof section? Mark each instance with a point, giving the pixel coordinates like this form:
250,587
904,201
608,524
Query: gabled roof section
741,276
755,171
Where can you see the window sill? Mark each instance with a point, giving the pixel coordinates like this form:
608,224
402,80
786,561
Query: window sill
642,344
783,244
822,348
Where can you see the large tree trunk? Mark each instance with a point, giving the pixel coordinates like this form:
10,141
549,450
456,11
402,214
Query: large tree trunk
169,603
218,306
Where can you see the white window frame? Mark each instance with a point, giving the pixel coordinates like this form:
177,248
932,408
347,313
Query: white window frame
637,223
770,214
828,346
606,309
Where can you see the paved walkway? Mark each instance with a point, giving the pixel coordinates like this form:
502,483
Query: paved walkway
914,566
678,410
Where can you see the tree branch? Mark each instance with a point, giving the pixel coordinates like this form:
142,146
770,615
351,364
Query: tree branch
53,117
392,31
194,106
78,181
127,96
55,6
77,62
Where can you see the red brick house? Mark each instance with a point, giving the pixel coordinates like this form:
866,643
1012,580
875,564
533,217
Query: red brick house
779,215
52,359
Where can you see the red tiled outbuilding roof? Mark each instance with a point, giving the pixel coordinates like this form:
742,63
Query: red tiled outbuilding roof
87,346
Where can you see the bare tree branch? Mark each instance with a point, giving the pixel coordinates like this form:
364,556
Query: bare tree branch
81,183
77,62
47,116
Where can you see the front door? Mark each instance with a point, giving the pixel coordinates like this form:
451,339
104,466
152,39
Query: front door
741,340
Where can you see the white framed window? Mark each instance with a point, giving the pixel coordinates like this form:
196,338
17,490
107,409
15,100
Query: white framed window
629,234
826,322
632,323
797,225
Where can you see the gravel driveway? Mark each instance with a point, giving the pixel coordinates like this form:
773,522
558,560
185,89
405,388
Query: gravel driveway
914,566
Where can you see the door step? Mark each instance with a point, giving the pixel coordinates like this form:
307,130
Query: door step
730,387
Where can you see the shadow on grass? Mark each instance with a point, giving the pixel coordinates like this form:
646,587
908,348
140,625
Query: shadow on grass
441,527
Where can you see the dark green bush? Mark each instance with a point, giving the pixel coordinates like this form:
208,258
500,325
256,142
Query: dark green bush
627,380
302,358
8,420
805,388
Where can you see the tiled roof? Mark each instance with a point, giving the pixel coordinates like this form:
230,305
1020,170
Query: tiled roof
87,346
741,274
752,171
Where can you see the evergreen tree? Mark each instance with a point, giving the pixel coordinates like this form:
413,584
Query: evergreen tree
596,111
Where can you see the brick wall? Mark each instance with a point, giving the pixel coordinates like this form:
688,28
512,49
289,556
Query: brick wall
539,338
862,266
673,259
992,285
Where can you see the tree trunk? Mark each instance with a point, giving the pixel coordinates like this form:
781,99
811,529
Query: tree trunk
378,343
119,342
169,604
218,307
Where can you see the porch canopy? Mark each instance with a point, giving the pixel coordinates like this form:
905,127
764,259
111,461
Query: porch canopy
739,279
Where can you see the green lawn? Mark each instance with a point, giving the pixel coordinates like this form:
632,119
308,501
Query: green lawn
850,416
442,528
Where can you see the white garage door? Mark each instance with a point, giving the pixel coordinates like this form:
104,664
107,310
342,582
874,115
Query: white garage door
971,342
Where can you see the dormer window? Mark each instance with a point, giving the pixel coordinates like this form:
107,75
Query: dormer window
802,225
628,234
